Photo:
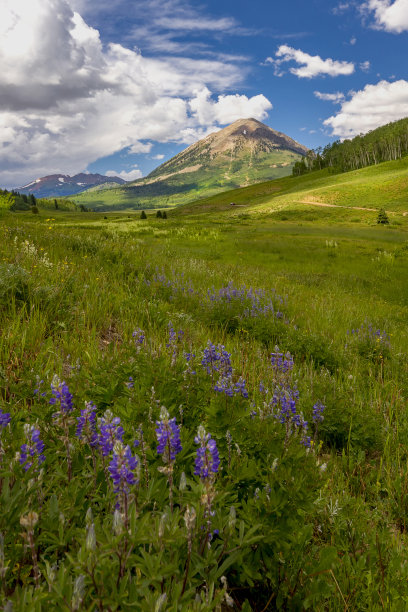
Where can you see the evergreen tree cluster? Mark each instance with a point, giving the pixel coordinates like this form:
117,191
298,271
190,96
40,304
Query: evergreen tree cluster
386,143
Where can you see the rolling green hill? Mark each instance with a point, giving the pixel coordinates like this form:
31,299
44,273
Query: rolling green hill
241,154
384,185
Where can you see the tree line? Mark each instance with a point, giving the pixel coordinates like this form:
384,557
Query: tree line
386,143
15,201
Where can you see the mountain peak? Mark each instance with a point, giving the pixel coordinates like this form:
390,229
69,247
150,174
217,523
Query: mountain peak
55,185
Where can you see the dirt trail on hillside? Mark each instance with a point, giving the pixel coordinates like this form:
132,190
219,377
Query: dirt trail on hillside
336,205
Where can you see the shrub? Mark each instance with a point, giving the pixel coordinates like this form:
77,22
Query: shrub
382,217
143,215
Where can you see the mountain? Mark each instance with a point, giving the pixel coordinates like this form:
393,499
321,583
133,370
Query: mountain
58,185
243,153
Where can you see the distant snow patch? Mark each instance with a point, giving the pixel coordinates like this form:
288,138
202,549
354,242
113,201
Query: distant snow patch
62,180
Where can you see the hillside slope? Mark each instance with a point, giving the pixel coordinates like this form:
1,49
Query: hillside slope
244,153
384,185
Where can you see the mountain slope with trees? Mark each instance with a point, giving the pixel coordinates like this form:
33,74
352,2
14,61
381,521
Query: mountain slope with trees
386,143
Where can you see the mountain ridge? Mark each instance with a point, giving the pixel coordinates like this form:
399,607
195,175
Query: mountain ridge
57,185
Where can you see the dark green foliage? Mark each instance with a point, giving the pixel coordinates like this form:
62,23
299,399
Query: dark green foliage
34,210
143,215
32,199
164,214
386,143
382,217
159,214
55,204
83,208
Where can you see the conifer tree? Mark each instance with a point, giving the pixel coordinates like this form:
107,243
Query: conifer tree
143,215
382,217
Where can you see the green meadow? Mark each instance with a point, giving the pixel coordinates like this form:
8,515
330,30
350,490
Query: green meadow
308,509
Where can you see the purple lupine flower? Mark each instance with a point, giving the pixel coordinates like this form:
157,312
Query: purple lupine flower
139,336
62,398
31,452
168,436
318,409
122,468
225,385
216,359
86,428
130,384
282,362
110,431
5,419
207,461
240,388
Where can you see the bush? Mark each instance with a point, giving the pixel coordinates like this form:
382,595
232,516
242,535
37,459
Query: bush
382,217
34,210
143,215
159,214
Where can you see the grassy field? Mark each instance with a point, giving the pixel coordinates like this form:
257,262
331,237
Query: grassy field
280,327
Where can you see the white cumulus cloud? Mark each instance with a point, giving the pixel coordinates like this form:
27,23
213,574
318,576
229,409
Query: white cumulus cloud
330,97
309,65
131,175
389,16
66,99
369,108
227,108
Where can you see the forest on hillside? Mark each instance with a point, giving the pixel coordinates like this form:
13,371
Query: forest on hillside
16,202
386,143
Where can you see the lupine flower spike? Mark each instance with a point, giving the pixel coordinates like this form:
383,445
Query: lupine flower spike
5,419
169,445
122,470
62,400
207,464
31,452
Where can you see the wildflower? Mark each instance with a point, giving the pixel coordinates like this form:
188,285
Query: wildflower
168,436
122,468
240,388
110,431
281,363
130,384
207,460
216,359
318,409
139,336
86,428
31,452
61,397
5,419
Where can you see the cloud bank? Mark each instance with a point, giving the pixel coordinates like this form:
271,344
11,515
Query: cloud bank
389,16
369,108
66,99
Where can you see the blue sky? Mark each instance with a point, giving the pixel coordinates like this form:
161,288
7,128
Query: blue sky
118,86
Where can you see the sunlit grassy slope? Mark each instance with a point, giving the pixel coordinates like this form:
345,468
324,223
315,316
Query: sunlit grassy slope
384,185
